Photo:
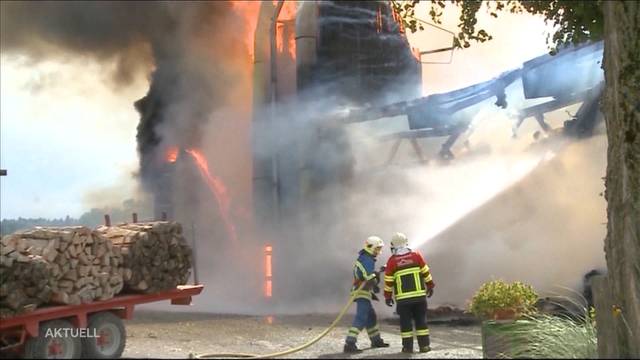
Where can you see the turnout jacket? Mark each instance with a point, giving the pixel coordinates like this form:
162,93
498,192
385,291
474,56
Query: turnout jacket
364,271
406,276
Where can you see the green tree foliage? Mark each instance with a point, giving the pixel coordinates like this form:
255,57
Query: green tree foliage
91,218
574,21
8,226
95,216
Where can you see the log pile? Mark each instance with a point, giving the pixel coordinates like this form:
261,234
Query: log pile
74,265
79,266
24,281
156,256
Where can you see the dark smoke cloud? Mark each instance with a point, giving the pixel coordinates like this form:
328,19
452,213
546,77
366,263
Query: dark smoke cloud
132,33
198,63
194,47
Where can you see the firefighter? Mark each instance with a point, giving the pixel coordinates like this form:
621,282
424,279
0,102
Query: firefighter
408,280
364,271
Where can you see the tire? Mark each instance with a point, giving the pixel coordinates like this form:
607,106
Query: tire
110,340
49,344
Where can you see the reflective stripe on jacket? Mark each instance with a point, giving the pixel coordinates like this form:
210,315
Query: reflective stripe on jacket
407,276
363,270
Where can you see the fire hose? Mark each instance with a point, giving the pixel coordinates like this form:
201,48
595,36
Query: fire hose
286,352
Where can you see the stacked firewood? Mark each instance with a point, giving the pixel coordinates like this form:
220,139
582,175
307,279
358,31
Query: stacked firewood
156,255
23,279
75,264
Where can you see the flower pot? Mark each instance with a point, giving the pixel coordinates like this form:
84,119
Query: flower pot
503,339
505,314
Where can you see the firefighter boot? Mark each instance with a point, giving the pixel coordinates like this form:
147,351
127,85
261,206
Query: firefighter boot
423,343
407,345
351,348
377,342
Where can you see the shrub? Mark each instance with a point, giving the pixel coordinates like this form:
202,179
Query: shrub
558,337
498,300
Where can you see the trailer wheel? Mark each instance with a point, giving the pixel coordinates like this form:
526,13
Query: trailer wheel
54,341
107,337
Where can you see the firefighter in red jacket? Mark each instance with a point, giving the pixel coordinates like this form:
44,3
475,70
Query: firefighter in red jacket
407,278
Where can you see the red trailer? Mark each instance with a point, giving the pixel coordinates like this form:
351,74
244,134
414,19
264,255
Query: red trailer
92,330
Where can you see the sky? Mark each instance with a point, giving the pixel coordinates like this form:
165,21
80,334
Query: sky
67,138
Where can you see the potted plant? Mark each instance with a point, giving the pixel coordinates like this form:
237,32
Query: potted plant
502,307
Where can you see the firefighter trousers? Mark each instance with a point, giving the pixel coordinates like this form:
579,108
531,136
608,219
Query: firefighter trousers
413,312
365,317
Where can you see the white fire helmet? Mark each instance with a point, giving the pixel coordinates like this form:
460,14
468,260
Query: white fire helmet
399,240
374,242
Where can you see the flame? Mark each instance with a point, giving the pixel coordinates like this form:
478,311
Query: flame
248,11
288,11
268,285
398,20
287,18
219,191
172,154
416,53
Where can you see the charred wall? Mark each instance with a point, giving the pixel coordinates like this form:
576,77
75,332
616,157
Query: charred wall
363,55
362,58
349,54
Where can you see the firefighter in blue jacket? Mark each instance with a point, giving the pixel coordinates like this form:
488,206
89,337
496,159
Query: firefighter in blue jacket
364,271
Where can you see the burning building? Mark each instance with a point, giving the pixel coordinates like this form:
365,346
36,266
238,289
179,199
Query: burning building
354,55
345,53
190,134
229,130
326,55
361,53
317,57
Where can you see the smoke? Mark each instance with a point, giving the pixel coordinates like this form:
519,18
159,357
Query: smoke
546,230
199,68
105,31
460,216
346,192
136,34
112,195
193,46
514,211
502,209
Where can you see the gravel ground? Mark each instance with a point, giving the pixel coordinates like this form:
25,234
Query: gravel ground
160,334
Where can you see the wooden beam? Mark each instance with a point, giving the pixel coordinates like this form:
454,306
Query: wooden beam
418,150
394,150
